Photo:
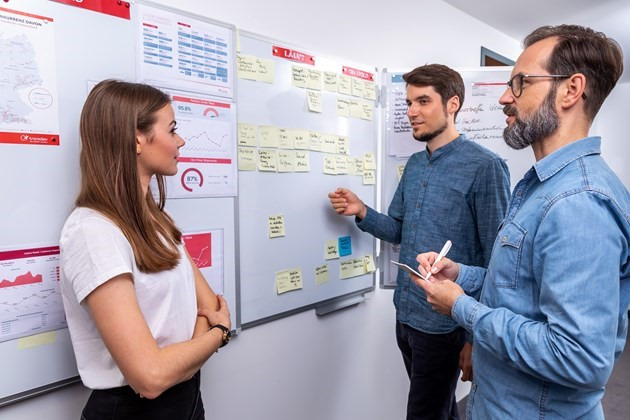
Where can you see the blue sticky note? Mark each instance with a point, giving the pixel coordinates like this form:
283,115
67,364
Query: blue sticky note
345,246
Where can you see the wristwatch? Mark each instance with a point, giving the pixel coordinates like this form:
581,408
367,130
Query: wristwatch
227,334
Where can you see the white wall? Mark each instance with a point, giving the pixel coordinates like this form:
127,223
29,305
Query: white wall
610,124
343,366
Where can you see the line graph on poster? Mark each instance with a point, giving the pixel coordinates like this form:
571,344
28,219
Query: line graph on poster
203,138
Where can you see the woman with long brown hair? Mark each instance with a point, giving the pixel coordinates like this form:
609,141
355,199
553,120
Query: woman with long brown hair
141,316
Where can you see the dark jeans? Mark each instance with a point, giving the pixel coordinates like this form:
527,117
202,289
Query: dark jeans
183,401
432,362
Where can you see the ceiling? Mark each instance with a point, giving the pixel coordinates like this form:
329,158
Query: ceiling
518,19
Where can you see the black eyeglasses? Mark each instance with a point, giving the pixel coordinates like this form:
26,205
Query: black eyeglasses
516,82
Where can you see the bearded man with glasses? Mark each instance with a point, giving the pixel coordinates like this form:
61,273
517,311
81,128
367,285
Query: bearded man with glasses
551,317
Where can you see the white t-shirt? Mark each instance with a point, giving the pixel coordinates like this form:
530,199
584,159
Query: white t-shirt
94,250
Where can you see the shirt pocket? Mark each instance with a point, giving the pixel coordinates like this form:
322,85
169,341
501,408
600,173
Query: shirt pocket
508,257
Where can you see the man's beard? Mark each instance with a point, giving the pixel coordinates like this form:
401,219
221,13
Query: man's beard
424,137
529,130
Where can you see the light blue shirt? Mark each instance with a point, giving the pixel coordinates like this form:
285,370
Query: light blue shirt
552,315
459,192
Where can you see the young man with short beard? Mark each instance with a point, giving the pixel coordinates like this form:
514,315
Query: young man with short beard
549,315
454,190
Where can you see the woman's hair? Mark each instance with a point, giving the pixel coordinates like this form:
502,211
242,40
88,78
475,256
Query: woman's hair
113,113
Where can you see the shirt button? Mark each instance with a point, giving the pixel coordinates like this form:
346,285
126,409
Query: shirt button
504,239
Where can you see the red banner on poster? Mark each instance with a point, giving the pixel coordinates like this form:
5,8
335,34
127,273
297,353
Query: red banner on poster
293,55
349,71
30,15
109,7
200,101
29,138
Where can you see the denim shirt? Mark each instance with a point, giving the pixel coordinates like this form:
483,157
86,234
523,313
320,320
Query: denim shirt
552,315
460,192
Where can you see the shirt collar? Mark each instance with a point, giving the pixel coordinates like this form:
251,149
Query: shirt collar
452,145
553,163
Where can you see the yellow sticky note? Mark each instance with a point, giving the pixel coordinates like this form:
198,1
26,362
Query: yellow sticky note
285,160
288,280
315,141
329,165
330,81
341,165
246,134
331,249
321,274
345,84
369,177
358,164
401,169
314,100
366,111
369,90
37,340
246,67
356,110
329,143
368,260
358,267
352,168
268,136
346,269
299,76
285,141
314,79
343,107
302,161
357,87
276,226
246,159
369,161
300,139
343,145
265,70
267,160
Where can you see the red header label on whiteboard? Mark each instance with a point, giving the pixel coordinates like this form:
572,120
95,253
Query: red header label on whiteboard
349,71
109,7
293,55
29,138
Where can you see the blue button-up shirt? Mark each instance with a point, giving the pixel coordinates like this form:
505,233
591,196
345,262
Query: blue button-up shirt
552,316
459,192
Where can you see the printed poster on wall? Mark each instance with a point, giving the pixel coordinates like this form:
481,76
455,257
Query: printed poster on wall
181,52
30,296
206,250
28,81
207,165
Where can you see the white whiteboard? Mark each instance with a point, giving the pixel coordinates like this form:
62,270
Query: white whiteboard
40,183
300,197
480,118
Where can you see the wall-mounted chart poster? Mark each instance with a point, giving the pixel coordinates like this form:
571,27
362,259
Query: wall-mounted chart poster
181,52
206,250
28,81
207,165
30,297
